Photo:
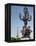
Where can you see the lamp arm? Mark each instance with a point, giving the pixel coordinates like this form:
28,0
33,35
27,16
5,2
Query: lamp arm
30,18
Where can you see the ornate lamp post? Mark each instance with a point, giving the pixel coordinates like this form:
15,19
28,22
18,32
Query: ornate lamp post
26,18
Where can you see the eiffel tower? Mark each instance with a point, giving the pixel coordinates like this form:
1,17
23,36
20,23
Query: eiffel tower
17,33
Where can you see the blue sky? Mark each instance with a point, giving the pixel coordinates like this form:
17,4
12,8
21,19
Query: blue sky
15,20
